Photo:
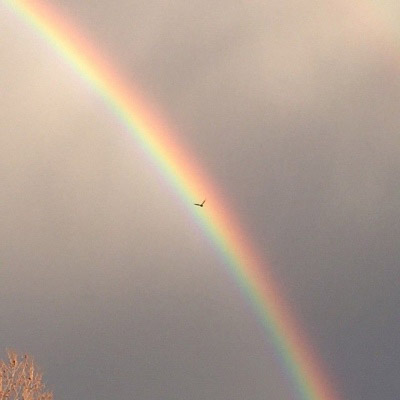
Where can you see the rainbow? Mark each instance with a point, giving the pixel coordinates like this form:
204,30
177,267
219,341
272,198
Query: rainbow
179,167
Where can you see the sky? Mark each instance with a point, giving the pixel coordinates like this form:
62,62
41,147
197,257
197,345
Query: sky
292,108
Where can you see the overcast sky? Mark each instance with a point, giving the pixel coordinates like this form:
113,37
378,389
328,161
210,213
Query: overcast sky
293,106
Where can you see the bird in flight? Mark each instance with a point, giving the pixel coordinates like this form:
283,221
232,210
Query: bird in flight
200,204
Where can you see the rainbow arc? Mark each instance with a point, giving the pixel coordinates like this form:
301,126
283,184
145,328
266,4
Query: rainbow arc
188,178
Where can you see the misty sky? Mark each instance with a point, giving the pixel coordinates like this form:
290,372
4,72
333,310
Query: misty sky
105,278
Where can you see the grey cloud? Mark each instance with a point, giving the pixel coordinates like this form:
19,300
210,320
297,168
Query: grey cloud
293,108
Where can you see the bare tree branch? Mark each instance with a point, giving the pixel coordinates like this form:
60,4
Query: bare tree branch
21,380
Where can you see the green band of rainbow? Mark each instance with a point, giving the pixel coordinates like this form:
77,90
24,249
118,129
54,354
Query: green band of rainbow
189,179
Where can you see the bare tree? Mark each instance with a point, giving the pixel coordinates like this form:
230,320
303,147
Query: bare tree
21,380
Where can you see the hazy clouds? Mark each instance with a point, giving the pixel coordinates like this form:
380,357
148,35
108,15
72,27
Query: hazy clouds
293,107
